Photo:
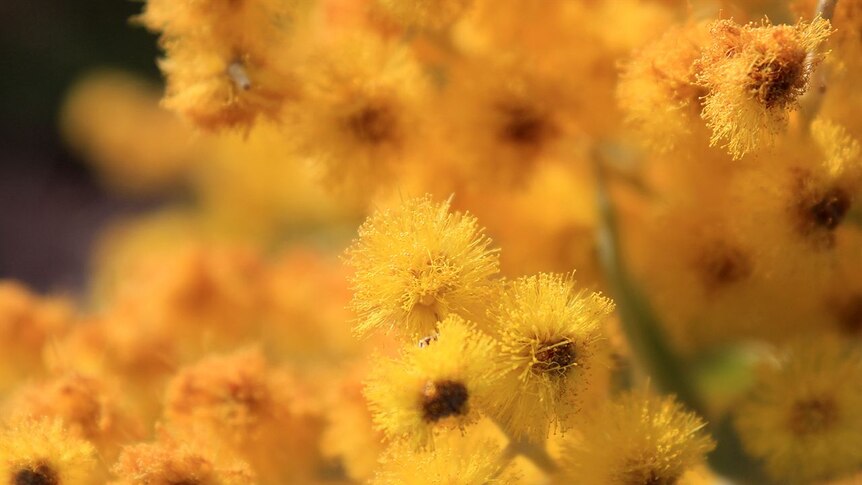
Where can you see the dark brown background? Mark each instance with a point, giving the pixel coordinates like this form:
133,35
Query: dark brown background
50,205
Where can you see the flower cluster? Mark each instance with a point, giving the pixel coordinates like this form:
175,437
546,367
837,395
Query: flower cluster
372,214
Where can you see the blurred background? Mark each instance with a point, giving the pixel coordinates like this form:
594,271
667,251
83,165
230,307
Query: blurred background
50,204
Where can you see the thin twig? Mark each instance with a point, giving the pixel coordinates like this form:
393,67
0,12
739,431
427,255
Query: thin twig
651,349
817,73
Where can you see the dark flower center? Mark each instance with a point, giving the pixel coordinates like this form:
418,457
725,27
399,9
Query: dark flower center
373,124
442,399
555,358
722,264
829,211
849,315
524,126
40,475
813,415
820,212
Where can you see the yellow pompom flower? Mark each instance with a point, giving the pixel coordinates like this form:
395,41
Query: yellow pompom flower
257,411
43,452
418,263
639,438
552,350
207,297
504,121
222,87
113,119
658,91
360,119
91,408
755,75
804,416
28,324
234,68
455,460
439,384
185,459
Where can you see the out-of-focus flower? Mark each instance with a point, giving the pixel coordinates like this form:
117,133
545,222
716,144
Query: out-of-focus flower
114,121
803,416
28,324
639,438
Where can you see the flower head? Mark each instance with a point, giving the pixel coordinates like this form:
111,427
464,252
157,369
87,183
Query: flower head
91,408
27,324
639,438
552,351
186,459
42,452
804,416
438,385
255,410
754,75
658,90
360,118
416,264
456,459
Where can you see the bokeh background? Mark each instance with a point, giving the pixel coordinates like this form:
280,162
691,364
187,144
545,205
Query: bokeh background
51,206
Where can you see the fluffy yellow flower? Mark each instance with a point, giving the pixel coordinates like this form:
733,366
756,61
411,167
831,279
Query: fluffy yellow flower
639,438
114,120
233,70
804,416
553,351
207,297
222,88
456,460
28,323
755,75
440,384
185,459
91,407
43,452
255,410
658,90
416,264
360,119
503,122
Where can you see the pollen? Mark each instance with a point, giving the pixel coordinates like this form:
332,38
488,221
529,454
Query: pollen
443,399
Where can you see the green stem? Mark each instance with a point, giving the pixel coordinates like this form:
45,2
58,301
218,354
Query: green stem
643,332
533,451
537,454
651,350
817,75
